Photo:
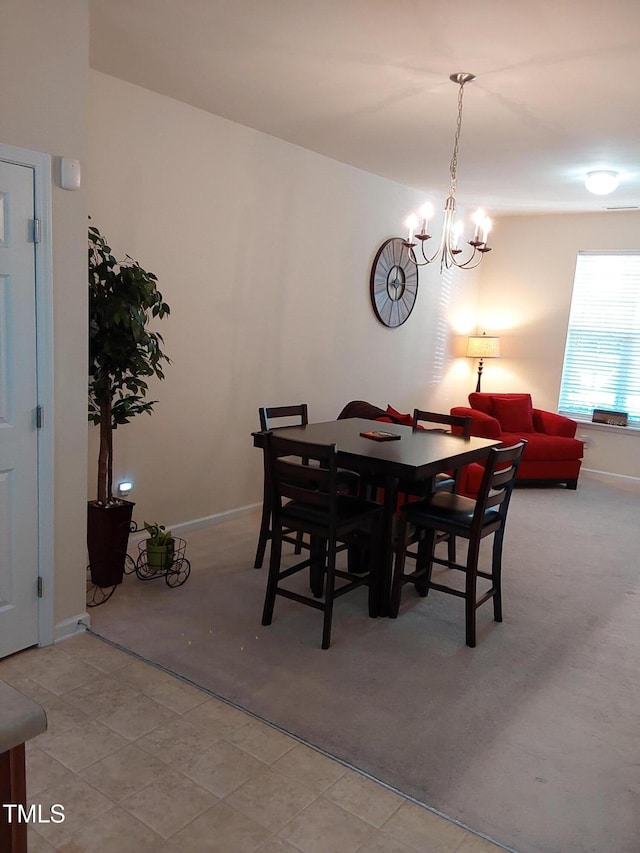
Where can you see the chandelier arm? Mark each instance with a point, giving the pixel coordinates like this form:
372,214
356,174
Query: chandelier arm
468,265
425,260
437,252
448,259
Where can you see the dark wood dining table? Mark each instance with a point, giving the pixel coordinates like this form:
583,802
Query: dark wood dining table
416,457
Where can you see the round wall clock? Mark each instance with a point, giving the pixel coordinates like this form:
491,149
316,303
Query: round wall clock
394,283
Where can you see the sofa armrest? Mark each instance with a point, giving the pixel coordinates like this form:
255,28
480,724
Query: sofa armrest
482,425
553,424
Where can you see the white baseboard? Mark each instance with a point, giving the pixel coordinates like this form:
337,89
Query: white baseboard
207,521
69,627
613,476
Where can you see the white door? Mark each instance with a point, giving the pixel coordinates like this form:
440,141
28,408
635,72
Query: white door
18,412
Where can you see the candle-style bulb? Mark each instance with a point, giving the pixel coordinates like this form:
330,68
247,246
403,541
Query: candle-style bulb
426,212
478,219
411,224
456,233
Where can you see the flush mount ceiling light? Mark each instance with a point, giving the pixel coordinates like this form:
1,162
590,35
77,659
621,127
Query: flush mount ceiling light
448,250
601,182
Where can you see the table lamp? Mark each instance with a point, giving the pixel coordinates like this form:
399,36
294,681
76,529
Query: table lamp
482,346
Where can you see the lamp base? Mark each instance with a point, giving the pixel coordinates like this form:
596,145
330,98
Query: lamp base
480,366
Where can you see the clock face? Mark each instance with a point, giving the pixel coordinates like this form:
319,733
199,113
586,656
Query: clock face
394,283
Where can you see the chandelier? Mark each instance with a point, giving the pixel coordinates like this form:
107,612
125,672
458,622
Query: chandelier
449,250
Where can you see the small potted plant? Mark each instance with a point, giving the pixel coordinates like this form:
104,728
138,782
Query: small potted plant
160,548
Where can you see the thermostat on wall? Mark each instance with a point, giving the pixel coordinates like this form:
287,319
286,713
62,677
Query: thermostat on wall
69,173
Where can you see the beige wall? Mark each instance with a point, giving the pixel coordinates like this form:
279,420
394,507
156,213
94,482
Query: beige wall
263,251
43,65
526,297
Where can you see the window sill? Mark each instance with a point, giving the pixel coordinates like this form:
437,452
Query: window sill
631,429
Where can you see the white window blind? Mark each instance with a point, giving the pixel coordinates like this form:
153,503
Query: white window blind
602,356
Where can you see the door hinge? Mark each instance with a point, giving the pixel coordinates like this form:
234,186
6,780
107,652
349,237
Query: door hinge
35,232
39,417
40,587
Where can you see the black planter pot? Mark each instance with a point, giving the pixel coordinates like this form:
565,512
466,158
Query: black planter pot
107,539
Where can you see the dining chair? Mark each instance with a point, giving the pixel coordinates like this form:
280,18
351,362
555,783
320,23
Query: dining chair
457,424
447,512
305,498
443,482
279,417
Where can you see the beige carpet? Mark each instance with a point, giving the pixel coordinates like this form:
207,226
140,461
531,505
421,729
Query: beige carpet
532,738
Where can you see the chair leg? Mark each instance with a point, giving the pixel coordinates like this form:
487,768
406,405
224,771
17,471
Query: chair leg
299,541
272,582
470,593
265,532
317,565
496,574
451,548
424,563
398,569
328,601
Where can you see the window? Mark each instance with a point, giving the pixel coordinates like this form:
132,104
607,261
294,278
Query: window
602,356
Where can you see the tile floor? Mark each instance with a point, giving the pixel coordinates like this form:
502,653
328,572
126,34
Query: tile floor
142,761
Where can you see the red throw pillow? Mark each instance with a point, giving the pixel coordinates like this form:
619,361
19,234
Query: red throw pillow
514,413
398,417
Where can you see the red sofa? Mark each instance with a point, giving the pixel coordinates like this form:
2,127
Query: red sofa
552,455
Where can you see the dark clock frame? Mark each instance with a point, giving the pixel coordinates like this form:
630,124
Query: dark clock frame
393,283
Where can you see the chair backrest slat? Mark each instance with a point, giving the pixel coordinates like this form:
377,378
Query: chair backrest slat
298,414
297,482
461,425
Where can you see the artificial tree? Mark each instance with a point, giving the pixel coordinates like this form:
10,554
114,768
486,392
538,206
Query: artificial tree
123,354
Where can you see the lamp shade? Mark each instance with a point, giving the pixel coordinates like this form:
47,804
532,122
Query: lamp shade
483,346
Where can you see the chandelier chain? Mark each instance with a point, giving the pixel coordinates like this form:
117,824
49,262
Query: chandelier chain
453,167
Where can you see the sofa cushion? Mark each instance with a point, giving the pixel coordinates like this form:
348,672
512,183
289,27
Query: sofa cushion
514,413
481,402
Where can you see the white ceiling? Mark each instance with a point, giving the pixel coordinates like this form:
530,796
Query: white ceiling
366,82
